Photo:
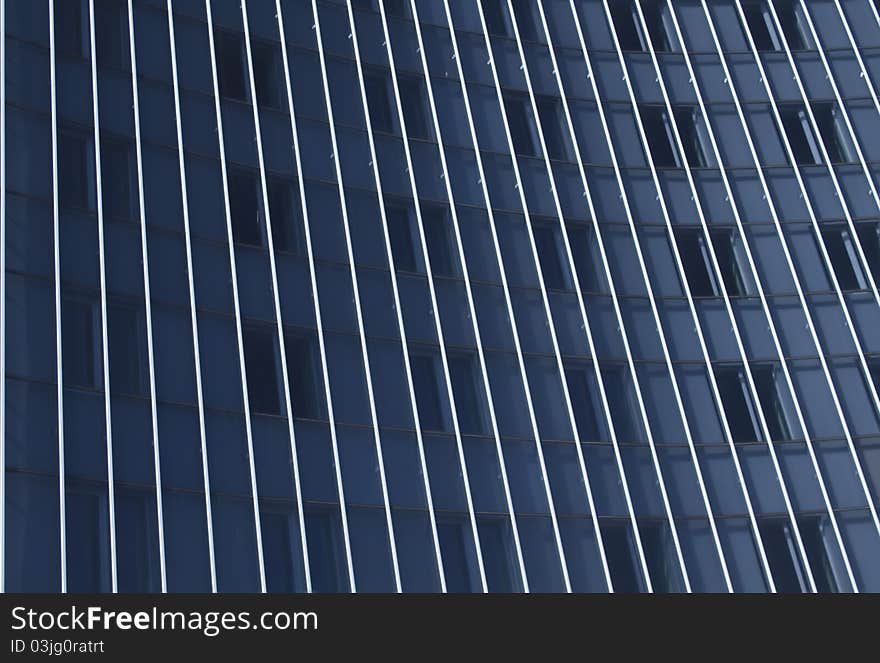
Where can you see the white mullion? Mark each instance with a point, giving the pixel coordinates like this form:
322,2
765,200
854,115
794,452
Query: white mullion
607,269
209,518
874,11
311,263
709,370
438,326
470,298
771,325
506,289
343,203
111,502
56,237
588,330
238,326
718,275
370,394
147,299
282,349
823,250
856,241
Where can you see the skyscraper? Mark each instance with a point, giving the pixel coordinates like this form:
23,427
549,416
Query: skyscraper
440,295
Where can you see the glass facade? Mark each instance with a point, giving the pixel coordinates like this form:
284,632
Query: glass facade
440,295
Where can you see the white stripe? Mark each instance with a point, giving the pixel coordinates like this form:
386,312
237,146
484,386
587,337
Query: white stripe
147,299
232,267
56,238
192,302
99,204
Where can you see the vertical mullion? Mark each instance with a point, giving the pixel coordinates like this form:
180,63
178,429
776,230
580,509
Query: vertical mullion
274,274
209,518
661,199
430,278
232,267
506,288
709,371
308,239
103,280
866,77
56,235
823,250
470,298
373,416
746,246
147,298
588,330
343,204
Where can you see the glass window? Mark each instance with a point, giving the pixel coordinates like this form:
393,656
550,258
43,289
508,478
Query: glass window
548,241
794,25
626,25
72,41
117,179
550,114
778,412
111,33
127,356
378,101
844,257
436,223
660,25
327,560
468,393
496,18
522,128
304,373
403,242
412,100
834,133
697,263
230,66
869,236
694,138
76,170
262,374
742,415
780,547
760,24
823,554
661,139
625,412
266,72
584,402
80,341
622,556
800,135
286,216
244,206
426,380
